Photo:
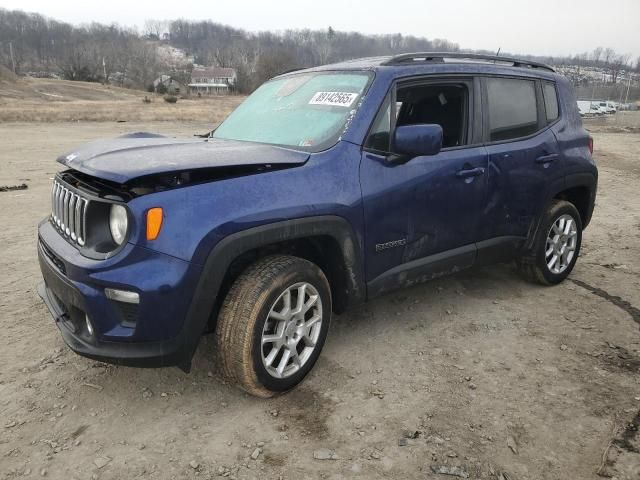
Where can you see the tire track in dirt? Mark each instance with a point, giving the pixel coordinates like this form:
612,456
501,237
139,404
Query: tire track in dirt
626,440
619,302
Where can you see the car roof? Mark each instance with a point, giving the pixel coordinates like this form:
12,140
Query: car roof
443,62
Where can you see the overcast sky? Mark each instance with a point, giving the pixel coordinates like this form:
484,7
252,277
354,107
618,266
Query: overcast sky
538,27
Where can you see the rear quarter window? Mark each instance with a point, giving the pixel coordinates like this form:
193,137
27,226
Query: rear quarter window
513,110
550,101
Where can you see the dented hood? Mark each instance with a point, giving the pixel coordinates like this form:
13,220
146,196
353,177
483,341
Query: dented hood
140,154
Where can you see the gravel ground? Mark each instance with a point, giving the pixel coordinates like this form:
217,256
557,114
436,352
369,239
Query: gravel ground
478,374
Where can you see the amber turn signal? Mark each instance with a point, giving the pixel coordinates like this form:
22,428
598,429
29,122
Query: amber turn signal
154,223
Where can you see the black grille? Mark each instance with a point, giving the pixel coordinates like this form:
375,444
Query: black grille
69,212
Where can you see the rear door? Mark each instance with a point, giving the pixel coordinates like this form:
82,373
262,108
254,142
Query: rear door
524,158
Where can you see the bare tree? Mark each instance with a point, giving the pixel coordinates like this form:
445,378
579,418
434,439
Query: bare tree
596,55
144,63
274,62
114,54
322,43
155,29
608,54
618,63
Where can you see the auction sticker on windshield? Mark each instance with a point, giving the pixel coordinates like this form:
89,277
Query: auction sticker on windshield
336,99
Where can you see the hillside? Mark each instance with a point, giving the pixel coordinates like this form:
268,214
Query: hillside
49,90
25,99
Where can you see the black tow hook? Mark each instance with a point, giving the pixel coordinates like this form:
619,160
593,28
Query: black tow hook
65,319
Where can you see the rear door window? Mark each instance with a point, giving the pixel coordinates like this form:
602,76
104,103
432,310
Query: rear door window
513,111
550,101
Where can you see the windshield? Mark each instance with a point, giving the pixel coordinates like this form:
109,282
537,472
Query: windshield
308,111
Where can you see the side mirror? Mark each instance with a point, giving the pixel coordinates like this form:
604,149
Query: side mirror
418,140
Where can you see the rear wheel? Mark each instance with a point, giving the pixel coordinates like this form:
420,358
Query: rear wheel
273,324
556,246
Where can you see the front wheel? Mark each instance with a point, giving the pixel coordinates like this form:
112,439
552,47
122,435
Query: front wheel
273,324
556,246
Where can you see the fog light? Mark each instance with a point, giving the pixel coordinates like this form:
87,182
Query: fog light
89,326
122,295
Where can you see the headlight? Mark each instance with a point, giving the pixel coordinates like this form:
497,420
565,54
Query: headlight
118,223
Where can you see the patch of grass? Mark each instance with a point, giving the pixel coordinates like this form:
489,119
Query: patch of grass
48,100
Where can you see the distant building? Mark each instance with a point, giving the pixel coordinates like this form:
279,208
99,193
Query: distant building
171,85
43,75
212,80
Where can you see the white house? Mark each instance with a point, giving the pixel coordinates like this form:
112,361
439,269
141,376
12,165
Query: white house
212,80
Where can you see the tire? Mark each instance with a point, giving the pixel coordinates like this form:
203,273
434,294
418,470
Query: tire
256,306
535,265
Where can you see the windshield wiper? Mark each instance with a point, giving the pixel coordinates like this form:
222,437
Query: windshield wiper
205,135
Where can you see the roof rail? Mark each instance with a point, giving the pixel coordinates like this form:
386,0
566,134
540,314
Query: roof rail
439,57
291,70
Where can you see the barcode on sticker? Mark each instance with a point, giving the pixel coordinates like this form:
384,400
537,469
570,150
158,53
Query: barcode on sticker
339,99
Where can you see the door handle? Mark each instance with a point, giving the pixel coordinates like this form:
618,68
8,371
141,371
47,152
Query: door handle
472,172
547,158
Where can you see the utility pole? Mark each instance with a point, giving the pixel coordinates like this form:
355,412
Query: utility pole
626,99
621,93
13,62
622,89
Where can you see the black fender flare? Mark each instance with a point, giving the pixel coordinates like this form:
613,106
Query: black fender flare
590,181
234,245
583,179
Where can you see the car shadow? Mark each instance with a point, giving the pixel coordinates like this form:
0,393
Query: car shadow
498,283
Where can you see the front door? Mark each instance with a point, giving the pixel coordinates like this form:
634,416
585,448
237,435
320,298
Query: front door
421,217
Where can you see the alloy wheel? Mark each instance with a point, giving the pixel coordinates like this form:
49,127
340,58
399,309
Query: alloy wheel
291,330
561,243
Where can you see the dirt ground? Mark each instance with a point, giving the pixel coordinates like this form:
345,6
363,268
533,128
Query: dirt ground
481,371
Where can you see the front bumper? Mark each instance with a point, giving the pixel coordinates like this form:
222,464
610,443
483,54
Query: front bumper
161,333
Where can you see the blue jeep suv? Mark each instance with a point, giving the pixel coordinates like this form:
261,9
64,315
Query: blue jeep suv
326,187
